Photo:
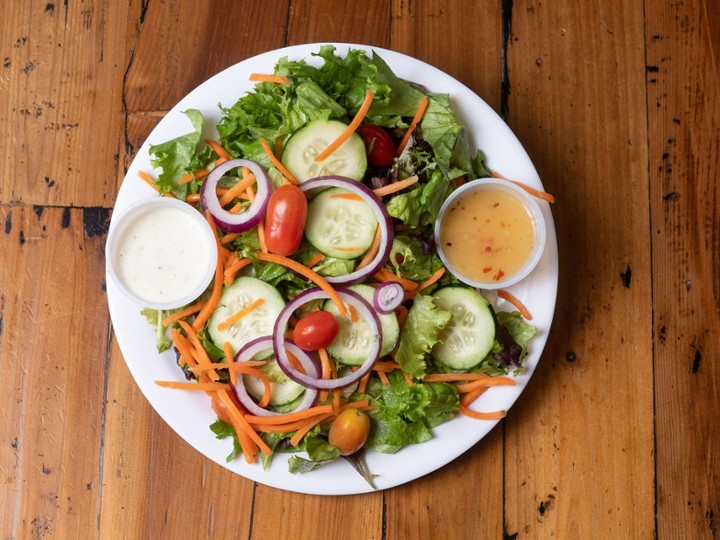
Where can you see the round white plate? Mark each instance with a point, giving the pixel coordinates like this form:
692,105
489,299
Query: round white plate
189,413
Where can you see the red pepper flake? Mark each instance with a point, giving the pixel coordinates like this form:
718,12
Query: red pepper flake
488,249
487,269
499,275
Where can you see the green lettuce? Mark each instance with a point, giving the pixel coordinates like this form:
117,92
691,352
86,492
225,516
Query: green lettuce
410,259
420,334
176,155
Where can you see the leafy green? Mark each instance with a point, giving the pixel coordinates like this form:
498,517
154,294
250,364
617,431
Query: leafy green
174,156
155,317
420,334
406,413
223,430
514,334
319,452
419,207
410,259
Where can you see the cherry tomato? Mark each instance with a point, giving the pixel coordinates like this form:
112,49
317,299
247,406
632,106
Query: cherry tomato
316,330
349,431
220,409
379,145
285,219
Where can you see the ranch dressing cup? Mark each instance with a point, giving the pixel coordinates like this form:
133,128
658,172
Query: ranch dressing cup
490,233
161,253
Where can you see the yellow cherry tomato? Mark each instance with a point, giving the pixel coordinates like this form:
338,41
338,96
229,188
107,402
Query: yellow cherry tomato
349,431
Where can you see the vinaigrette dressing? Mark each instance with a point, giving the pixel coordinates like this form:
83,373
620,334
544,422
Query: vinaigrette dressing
487,235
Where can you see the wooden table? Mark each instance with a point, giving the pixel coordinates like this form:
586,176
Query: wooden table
618,105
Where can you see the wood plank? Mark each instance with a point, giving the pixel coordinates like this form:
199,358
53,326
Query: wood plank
194,41
683,77
51,412
445,503
62,68
584,446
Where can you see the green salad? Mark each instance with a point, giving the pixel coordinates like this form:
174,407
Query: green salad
332,327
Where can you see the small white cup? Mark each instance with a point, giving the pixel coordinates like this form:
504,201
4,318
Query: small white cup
201,247
536,218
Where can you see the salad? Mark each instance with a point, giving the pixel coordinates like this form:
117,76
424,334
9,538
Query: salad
332,327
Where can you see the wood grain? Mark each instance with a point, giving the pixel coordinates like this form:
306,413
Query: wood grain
53,383
617,104
683,76
586,435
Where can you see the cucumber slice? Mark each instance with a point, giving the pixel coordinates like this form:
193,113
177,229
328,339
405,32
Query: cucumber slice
340,227
284,390
353,341
349,159
470,335
259,322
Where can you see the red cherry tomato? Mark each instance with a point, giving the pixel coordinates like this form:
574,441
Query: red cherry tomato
316,330
285,219
221,410
349,431
379,145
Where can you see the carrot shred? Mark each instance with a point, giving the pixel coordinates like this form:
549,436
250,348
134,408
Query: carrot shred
232,269
383,377
316,259
185,385
277,150
243,424
276,162
264,77
246,181
202,356
372,250
261,237
545,196
184,348
469,397
413,124
229,237
218,149
301,432
454,377
227,323
362,384
386,275
429,281
396,186
348,196
194,308
354,124
495,415
509,297
151,182
309,274
485,383
289,417
208,308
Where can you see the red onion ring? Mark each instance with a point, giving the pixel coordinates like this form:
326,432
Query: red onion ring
244,220
262,344
363,309
384,222
388,296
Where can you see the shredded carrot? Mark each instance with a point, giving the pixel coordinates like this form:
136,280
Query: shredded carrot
316,259
469,397
485,383
402,314
197,306
309,274
227,323
509,297
362,384
413,124
229,237
383,378
278,147
218,149
361,404
348,196
454,377
396,186
408,379
289,417
261,237
151,182
276,162
354,317
208,308
348,249
231,366
202,356
384,365
531,190
359,116
192,198
372,250
386,275
192,385
184,348
264,77
300,433
232,269
429,281
246,181
495,415
242,423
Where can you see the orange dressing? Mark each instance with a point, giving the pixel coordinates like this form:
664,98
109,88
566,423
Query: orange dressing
487,235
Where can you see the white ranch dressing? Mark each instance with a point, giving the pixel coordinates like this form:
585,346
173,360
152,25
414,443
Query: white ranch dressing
163,255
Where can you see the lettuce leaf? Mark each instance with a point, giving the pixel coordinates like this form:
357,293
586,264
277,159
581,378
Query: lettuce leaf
420,334
174,157
411,260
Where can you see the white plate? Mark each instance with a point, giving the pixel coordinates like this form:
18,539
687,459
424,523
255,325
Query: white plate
189,413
